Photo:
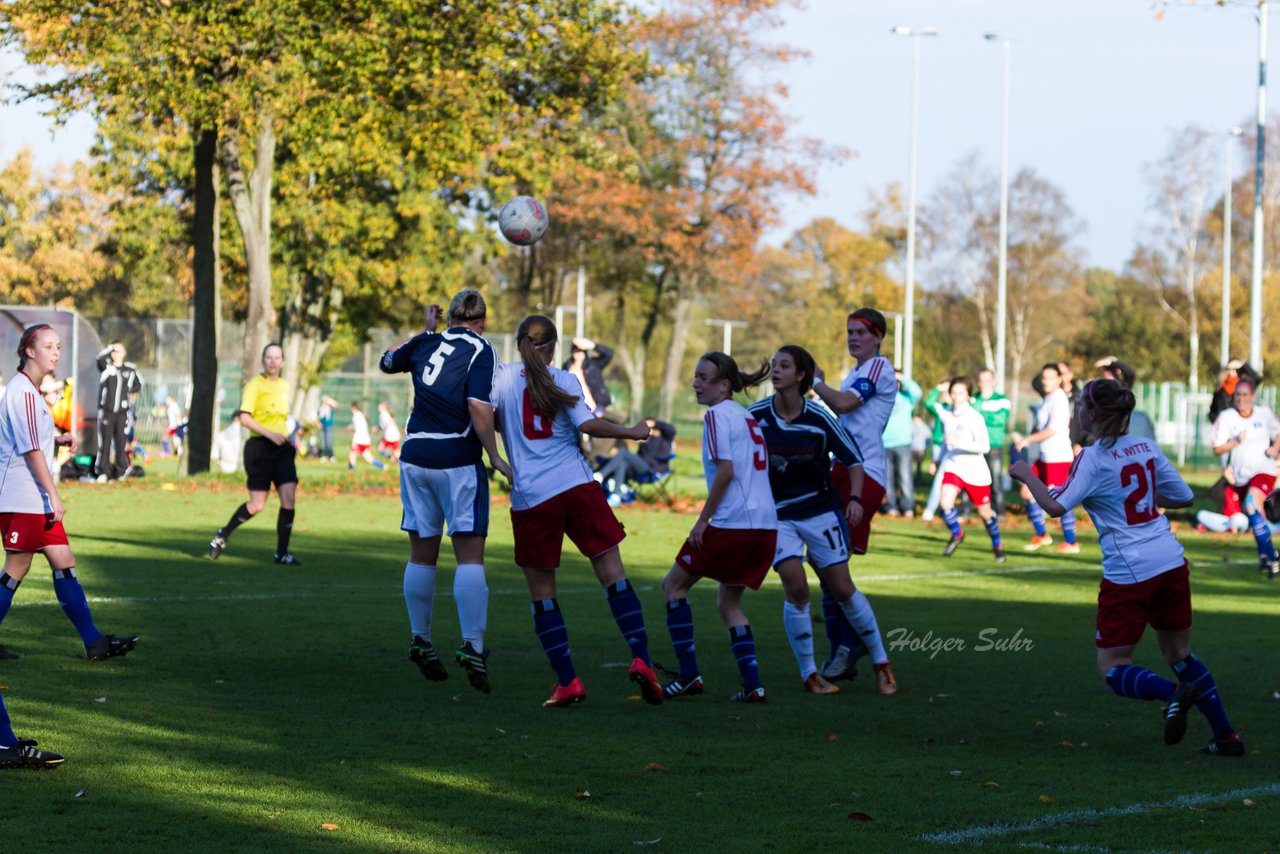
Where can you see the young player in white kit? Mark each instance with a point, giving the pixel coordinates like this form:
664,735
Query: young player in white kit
1053,432
734,539
1250,435
964,467
541,411
389,446
361,439
1122,481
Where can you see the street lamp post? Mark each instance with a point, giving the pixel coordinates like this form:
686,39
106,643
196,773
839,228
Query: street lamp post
1255,287
1225,347
1002,274
727,342
910,290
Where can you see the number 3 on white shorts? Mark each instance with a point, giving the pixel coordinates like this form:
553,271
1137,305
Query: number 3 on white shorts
436,363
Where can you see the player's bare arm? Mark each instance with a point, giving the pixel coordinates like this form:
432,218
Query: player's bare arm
39,469
719,485
599,428
853,509
841,402
482,420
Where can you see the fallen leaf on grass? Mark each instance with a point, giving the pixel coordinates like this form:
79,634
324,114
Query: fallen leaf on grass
1060,714
329,826
733,717
831,736
4,687
1065,744
954,773
99,699
648,841
80,794
500,730
991,784
582,794
1247,802
1048,799
654,766
859,816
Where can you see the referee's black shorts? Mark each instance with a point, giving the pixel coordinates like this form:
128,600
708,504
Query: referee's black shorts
266,463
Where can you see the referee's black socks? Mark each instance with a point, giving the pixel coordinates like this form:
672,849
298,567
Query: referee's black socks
284,527
238,518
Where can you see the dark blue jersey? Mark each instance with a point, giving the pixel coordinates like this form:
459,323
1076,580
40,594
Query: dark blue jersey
449,369
800,457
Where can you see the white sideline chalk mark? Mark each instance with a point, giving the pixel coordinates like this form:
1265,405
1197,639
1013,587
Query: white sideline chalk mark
974,835
373,592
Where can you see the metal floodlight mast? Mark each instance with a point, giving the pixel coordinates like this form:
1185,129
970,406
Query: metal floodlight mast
1002,275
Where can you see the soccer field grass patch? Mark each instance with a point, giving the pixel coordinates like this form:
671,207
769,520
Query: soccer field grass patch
265,703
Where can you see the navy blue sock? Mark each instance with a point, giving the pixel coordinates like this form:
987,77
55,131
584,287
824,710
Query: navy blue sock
952,518
548,623
839,632
680,627
625,605
1036,515
744,652
993,531
8,587
74,604
1139,683
1069,526
1262,534
7,738
1192,670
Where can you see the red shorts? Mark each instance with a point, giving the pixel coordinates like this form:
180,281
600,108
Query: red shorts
979,495
582,513
1264,483
1125,610
390,446
872,499
1053,474
30,532
359,449
736,556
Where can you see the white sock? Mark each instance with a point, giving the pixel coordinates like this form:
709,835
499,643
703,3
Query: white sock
472,596
799,626
419,597
859,614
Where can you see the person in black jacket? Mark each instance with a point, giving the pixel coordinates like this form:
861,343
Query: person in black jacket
118,388
1236,370
587,362
651,458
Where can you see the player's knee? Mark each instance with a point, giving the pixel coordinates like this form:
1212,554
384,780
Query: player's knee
254,507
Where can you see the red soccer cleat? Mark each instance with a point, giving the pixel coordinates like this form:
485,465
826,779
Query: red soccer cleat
643,675
566,695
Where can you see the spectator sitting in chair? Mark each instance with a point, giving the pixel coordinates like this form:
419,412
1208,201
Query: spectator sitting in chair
652,460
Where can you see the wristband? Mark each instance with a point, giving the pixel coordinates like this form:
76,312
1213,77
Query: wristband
855,499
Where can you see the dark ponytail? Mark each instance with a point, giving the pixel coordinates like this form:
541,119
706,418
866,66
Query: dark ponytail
1111,405
727,369
535,335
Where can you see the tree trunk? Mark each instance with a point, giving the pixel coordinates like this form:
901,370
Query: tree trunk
309,321
204,327
251,199
681,321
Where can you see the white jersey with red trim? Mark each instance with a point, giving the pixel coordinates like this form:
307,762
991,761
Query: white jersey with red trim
545,453
876,385
1055,414
1249,458
390,429
967,443
730,433
25,425
1118,485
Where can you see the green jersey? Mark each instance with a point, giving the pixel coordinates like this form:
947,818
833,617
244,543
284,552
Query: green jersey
995,410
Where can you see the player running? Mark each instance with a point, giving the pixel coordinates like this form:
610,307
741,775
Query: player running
864,402
736,534
269,456
1250,436
389,445
1122,481
1053,432
964,467
542,410
442,479
801,435
30,509
361,439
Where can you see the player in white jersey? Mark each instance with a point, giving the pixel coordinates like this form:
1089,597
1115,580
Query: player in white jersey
541,412
361,439
964,467
1053,433
1122,481
389,446
1250,436
734,539
30,510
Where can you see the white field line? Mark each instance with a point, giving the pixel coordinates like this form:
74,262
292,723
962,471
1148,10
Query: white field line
975,835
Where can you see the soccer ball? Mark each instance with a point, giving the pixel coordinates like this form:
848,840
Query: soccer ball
523,220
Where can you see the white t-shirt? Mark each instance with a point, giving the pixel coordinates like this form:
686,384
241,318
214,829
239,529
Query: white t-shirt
226,448
360,429
544,452
1250,456
967,442
390,429
866,423
1117,485
730,433
1055,414
25,425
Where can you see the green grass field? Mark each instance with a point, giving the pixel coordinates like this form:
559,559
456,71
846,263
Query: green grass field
265,703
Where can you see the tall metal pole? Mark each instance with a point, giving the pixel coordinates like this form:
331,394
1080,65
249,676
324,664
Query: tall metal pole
581,321
1225,347
1002,280
1255,289
909,297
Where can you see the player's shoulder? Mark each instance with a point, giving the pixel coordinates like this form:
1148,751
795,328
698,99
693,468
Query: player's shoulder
880,370
762,406
819,412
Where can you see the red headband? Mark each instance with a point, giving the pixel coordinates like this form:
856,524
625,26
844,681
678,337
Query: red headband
867,323
25,341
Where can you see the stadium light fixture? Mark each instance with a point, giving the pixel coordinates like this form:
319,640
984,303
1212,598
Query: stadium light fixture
1002,272
1225,346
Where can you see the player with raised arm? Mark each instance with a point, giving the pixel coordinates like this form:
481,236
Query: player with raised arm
1053,433
442,479
1250,436
30,509
801,436
864,403
736,534
964,467
1122,481
541,411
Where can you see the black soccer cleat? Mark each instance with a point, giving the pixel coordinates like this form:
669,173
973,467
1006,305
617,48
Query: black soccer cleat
1264,564
24,754
476,665
287,559
109,646
1000,555
681,687
217,544
1175,714
1232,745
423,654
1273,570
952,545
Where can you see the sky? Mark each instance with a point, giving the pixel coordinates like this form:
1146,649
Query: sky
1097,87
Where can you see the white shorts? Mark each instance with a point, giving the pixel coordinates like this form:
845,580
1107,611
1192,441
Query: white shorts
825,537
432,498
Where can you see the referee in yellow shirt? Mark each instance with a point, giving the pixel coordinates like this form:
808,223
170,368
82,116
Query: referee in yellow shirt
268,455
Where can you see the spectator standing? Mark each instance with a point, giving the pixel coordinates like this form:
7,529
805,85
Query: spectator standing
900,494
324,416
995,409
587,362
1140,424
118,387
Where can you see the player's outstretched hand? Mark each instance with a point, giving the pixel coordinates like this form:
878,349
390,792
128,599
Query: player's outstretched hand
639,432
431,317
1020,471
695,535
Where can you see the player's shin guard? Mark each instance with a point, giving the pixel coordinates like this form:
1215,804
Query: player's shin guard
237,519
472,597
1192,670
799,626
7,738
74,604
859,614
549,625
420,597
1262,535
625,605
1069,527
1036,515
680,627
993,531
284,529
1139,683
952,518
744,652
8,587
